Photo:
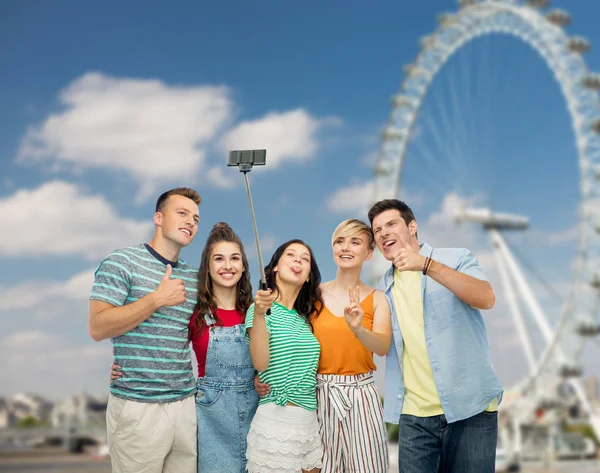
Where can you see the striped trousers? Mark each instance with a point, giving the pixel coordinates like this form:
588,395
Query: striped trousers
351,424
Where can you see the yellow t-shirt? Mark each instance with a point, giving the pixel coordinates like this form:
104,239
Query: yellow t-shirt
421,398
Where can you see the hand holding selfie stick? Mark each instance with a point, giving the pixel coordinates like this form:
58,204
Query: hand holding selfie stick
245,159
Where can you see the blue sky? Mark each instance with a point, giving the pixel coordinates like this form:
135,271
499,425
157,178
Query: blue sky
105,106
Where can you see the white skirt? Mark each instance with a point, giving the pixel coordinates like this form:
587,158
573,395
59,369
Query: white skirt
283,439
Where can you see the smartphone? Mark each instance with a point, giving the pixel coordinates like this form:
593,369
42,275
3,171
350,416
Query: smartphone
247,158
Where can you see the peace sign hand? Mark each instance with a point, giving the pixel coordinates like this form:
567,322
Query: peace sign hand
353,312
407,258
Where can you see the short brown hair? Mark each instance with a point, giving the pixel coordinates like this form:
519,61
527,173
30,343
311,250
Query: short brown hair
183,191
352,227
389,204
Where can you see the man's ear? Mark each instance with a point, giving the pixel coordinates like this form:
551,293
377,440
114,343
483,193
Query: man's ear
413,228
158,219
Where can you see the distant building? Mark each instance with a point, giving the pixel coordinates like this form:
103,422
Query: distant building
591,389
3,414
76,411
80,410
20,406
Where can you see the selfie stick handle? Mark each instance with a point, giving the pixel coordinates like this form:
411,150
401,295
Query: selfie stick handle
263,279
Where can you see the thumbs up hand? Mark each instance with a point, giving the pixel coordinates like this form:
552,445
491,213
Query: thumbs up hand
407,258
170,292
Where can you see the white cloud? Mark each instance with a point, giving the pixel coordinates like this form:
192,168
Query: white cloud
152,130
353,199
34,293
286,136
217,177
59,219
357,197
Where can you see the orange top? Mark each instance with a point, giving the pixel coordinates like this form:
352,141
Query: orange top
341,352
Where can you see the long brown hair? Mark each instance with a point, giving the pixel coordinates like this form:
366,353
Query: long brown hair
206,304
309,299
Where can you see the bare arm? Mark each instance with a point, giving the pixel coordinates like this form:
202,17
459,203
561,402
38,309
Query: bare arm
259,336
106,320
377,340
472,291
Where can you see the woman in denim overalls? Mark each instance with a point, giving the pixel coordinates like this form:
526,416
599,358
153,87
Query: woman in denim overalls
226,399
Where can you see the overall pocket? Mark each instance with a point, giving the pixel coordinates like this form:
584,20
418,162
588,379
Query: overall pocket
206,397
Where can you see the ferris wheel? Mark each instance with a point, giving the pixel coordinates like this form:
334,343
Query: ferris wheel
543,29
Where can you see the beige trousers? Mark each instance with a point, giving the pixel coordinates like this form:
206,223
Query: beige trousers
152,437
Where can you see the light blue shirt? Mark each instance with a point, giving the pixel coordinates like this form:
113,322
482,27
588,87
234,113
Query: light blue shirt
456,340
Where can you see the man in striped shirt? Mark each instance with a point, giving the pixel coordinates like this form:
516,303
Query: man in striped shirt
142,299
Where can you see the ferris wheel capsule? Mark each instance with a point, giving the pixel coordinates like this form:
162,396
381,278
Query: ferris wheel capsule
578,44
596,125
428,42
466,3
413,70
447,19
538,3
401,100
595,283
559,17
391,133
569,370
587,327
382,169
591,81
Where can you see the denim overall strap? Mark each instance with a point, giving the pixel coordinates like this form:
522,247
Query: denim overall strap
209,320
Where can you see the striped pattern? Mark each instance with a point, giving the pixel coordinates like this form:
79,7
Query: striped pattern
351,424
294,356
155,356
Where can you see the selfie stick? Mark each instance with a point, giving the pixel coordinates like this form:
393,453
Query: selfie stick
245,159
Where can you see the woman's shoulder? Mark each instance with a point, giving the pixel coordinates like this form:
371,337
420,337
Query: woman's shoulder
380,300
326,286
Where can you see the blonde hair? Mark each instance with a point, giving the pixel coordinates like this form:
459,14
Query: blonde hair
352,227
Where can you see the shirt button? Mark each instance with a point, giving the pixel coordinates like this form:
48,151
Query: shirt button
399,396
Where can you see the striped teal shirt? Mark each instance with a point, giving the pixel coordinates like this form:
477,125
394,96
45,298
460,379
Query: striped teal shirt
294,357
155,356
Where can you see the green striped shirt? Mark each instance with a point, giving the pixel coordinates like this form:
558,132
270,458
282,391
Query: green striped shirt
154,356
294,357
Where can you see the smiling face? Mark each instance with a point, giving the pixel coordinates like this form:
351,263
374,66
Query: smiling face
351,251
389,227
226,266
293,266
178,220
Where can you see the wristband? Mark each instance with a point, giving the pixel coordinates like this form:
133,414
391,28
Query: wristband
426,264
